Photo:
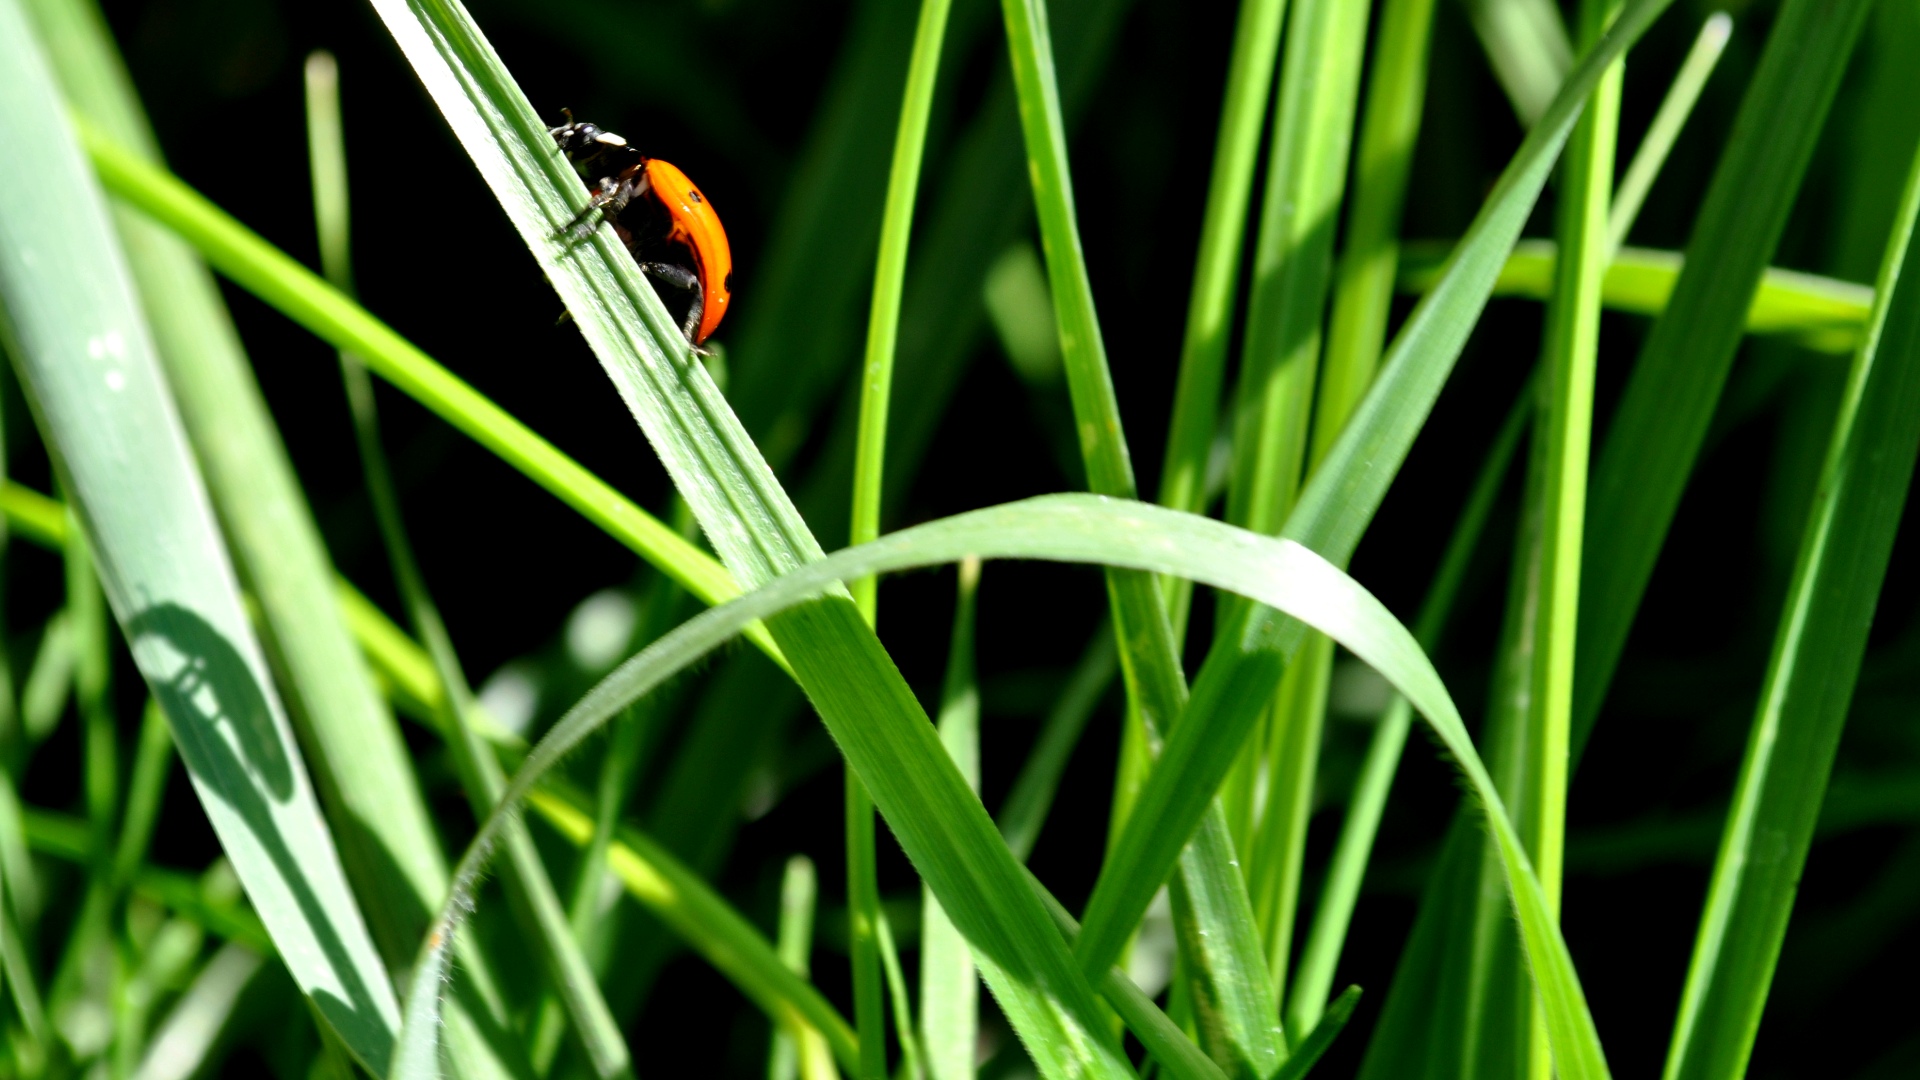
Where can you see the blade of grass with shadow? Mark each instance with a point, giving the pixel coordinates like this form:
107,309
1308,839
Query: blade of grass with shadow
949,988
1025,812
1292,274
1816,658
74,327
368,782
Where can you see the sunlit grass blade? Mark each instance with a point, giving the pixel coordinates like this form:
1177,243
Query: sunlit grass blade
1292,271
799,1051
1333,512
1562,439
74,328
1810,679
1216,276
378,811
708,923
1643,465
1370,253
869,469
1821,312
1665,129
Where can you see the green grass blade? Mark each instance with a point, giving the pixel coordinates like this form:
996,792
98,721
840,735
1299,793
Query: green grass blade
1822,313
709,924
75,327
889,278
799,1051
1363,278
863,929
1326,938
1025,811
1562,440
1216,276
1657,431
1078,528
301,295
1292,271
1324,1031
148,785
1334,510
1665,129
949,988
1527,45
1816,659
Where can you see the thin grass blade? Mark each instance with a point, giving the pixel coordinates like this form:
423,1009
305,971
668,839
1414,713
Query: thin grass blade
1810,680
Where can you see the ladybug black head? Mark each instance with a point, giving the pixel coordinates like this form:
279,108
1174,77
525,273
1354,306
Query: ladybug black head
584,142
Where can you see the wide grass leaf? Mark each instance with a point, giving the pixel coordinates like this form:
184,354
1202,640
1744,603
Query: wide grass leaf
83,349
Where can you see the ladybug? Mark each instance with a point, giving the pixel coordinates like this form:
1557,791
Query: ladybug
665,222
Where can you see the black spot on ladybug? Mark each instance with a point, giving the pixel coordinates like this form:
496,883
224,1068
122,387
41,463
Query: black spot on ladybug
695,196
727,285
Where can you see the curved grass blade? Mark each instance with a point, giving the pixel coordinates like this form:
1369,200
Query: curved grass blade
1816,660
1333,512
1080,528
1823,313
1347,869
75,330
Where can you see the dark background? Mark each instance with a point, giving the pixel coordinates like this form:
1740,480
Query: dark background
738,92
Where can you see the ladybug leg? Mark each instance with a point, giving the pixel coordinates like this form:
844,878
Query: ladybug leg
680,278
610,196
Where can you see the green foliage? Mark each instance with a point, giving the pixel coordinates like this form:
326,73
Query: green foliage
183,513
